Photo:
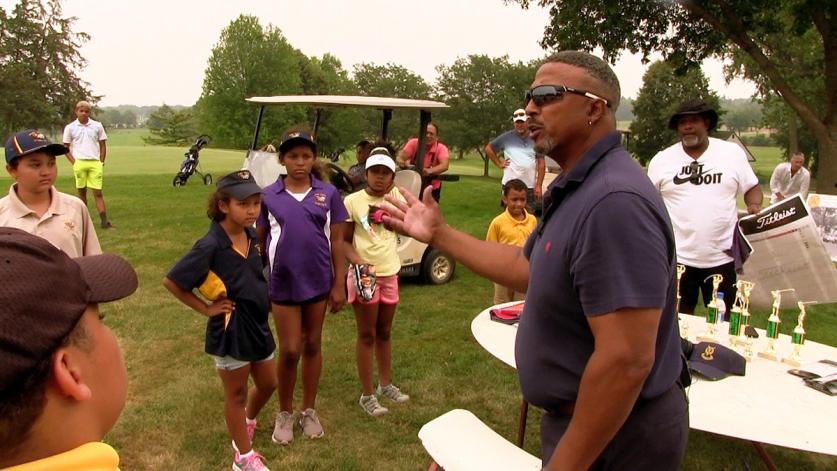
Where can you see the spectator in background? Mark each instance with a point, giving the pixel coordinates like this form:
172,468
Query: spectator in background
512,227
790,178
520,159
86,140
357,172
699,179
435,158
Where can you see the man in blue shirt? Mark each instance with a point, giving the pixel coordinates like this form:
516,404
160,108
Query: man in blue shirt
597,346
520,159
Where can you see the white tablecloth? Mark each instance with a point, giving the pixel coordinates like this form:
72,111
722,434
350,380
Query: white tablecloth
767,405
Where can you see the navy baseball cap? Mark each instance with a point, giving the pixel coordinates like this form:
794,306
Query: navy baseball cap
29,141
240,185
292,138
714,362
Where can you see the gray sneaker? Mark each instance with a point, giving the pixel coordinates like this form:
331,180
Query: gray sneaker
371,405
392,393
283,431
310,424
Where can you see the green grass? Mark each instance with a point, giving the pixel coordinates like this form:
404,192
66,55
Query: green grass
173,417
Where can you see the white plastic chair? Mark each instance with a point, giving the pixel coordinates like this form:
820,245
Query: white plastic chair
459,441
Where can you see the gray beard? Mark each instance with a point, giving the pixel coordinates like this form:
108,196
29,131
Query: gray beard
545,145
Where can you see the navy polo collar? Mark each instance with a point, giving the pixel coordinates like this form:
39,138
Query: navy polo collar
221,236
590,158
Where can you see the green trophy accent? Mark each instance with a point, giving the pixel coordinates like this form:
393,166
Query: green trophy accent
798,336
712,313
773,329
773,322
734,321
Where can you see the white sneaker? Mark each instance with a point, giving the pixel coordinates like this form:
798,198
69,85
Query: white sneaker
371,405
283,430
392,393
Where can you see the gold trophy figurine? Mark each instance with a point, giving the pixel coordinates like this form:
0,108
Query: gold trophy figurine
773,322
712,310
684,324
746,287
798,336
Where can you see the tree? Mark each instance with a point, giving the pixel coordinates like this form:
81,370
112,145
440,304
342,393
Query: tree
762,36
482,93
663,89
339,128
741,114
39,60
248,60
390,80
171,127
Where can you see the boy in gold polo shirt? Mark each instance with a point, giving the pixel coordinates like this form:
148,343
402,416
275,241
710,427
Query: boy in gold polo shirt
511,227
62,377
33,203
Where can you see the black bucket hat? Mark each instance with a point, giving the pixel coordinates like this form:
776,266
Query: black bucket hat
694,106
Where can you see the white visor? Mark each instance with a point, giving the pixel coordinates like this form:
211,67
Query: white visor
380,159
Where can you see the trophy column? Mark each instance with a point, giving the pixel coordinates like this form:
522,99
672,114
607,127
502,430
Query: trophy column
773,322
712,310
798,336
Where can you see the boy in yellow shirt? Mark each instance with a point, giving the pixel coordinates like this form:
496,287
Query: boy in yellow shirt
511,227
62,378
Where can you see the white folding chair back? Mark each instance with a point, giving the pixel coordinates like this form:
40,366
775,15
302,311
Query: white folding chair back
459,441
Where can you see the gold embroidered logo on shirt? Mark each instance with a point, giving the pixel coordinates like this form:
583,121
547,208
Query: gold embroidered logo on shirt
70,226
320,199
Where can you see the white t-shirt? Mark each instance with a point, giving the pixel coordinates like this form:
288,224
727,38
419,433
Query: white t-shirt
84,139
782,182
701,198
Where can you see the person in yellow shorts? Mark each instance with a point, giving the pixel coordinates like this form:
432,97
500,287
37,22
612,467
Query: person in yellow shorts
87,139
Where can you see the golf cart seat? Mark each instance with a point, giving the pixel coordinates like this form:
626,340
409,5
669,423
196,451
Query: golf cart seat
264,166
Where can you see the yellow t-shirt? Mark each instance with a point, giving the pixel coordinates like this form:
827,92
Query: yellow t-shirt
93,456
508,230
374,243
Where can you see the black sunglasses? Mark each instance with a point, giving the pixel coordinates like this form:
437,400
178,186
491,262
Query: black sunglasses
543,94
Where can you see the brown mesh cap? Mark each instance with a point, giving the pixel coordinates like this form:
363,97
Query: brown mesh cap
43,293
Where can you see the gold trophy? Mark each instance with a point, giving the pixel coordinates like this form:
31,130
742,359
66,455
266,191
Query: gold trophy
746,287
773,322
798,336
684,324
712,310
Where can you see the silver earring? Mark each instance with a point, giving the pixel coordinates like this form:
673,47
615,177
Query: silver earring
589,123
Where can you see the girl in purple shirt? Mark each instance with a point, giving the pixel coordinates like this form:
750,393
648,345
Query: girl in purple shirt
301,228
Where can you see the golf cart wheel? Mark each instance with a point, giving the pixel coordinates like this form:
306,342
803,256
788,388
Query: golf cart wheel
177,181
207,179
437,267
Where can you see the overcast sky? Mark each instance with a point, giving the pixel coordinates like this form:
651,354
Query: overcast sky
151,52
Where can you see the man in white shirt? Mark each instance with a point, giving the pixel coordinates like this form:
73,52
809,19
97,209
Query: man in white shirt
521,162
86,140
699,179
790,178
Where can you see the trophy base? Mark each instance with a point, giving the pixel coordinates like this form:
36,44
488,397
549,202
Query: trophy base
707,338
792,362
769,356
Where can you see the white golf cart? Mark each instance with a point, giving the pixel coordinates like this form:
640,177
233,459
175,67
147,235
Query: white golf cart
417,258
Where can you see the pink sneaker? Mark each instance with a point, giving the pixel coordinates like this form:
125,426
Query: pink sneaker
254,462
251,430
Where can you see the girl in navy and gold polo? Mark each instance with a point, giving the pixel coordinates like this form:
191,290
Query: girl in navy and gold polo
225,266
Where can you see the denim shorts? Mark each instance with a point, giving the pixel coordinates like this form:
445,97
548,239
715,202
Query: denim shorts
228,363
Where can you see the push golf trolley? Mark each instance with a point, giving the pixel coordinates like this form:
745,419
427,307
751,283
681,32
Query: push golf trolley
191,164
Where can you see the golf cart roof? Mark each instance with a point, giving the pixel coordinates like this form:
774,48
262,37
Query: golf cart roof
348,101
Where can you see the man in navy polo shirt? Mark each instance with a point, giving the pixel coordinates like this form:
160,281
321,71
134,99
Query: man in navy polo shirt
597,346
